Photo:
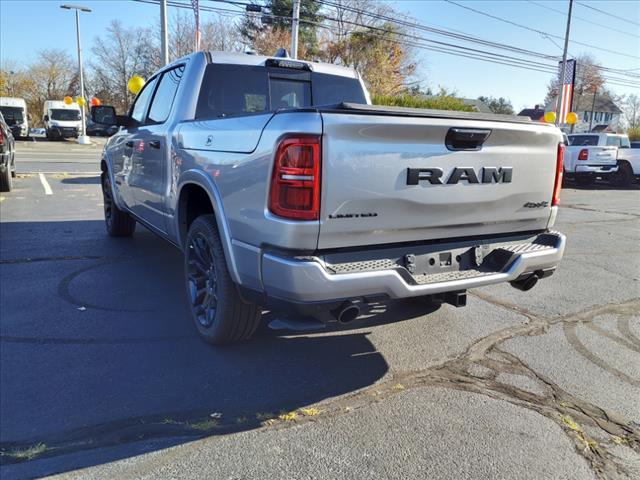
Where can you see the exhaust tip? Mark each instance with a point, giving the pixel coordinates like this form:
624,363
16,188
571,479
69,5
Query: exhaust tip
347,312
525,284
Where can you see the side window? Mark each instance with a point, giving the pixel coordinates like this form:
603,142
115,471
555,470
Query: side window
165,93
142,101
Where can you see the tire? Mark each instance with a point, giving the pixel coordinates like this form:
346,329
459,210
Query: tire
220,315
6,180
117,222
624,176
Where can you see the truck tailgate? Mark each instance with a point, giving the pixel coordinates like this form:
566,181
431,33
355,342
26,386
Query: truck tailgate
369,198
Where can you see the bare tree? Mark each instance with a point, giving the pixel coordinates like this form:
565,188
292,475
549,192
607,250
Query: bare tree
631,110
370,44
221,34
119,55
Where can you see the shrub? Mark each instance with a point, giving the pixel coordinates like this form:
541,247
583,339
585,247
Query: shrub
438,102
634,134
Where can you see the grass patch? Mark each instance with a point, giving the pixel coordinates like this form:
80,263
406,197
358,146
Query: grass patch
205,424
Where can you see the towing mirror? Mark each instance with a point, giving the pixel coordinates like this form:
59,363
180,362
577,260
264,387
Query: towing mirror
104,115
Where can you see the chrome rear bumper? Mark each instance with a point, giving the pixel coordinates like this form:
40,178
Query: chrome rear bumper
315,281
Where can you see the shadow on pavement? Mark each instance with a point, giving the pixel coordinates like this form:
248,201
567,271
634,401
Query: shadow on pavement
600,185
98,350
92,180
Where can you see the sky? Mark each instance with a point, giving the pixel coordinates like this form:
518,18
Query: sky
49,26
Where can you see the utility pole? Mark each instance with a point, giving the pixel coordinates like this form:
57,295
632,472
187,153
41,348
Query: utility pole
593,106
564,62
82,139
295,22
163,32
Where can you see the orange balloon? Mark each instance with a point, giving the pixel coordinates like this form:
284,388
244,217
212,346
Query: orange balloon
67,100
95,102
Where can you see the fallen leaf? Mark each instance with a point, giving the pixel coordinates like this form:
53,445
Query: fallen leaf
288,417
310,412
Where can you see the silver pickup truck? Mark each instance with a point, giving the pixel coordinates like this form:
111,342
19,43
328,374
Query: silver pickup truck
285,188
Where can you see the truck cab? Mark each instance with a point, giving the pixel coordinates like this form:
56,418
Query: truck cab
14,111
285,188
61,120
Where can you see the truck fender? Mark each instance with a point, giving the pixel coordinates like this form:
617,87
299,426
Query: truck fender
197,177
105,166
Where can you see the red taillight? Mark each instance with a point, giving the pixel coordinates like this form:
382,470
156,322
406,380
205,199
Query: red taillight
584,154
559,173
295,184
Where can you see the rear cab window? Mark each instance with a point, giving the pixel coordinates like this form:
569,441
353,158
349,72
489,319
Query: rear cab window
232,90
613,141
583,140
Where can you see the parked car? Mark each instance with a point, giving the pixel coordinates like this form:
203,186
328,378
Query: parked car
61,120
591,155
14,111
285,188
7,156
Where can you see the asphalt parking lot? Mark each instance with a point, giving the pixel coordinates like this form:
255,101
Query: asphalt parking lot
103,375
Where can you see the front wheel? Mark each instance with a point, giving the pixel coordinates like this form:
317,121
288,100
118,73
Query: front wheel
117,222
6,180
219,312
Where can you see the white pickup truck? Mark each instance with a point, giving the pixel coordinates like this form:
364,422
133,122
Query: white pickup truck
628,162
604,155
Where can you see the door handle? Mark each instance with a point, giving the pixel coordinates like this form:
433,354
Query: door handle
154,143
129,144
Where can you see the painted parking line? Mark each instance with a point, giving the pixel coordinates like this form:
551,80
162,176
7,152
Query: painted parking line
45,184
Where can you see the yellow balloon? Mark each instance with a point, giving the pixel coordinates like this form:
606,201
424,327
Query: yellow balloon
81,101
550,117
572,117
68,100
135,84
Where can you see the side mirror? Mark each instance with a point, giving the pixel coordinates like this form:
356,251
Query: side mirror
46,118
104,115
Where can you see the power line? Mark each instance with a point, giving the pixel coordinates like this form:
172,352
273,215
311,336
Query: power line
609,14
539,32
417,41
634,35
467,38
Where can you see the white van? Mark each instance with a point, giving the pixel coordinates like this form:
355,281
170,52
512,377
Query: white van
14,111
61,120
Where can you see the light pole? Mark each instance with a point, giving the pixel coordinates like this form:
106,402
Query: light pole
163,32
82,139
295,22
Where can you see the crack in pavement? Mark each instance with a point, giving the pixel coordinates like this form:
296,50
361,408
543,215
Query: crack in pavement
568,411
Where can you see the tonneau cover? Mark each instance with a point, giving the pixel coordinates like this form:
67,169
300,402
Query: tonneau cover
418,112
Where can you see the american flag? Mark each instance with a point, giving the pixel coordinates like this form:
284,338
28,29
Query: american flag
195,4
566,98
